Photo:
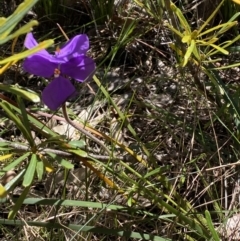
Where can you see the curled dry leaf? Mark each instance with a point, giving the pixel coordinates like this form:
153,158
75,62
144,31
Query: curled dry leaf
8,177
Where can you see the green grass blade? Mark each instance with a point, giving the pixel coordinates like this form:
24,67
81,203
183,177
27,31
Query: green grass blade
123,118
210,226
215,78
11,114
12,214
211,17
128,234
25,120
42,128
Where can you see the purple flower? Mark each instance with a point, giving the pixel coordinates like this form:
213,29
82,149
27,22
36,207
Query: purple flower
70,60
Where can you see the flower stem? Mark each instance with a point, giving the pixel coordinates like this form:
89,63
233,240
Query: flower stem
82,130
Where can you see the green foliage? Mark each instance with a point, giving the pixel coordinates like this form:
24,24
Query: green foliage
201,43
6,32
154,8
196,51
8,24
229,9
101,12
211,226
51,6
21,92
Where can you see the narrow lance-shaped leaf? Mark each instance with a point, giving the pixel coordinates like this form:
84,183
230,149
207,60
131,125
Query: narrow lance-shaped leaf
224,27
3,191
18,90
196,55
15,181
215,47
29,175
14,163
211,227
227,67
61,161
189,52
181,18
228,43
211,41
210,17
3,143
2,21
80,153
77,144
5,157
23,30
220,49
40,170
10,23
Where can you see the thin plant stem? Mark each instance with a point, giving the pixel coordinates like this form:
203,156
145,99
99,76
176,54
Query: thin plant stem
82,130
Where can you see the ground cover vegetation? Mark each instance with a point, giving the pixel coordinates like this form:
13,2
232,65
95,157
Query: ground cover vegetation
119,120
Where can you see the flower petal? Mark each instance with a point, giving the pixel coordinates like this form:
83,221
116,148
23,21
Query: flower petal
30,42
80,68
39,65
76,46
57,93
